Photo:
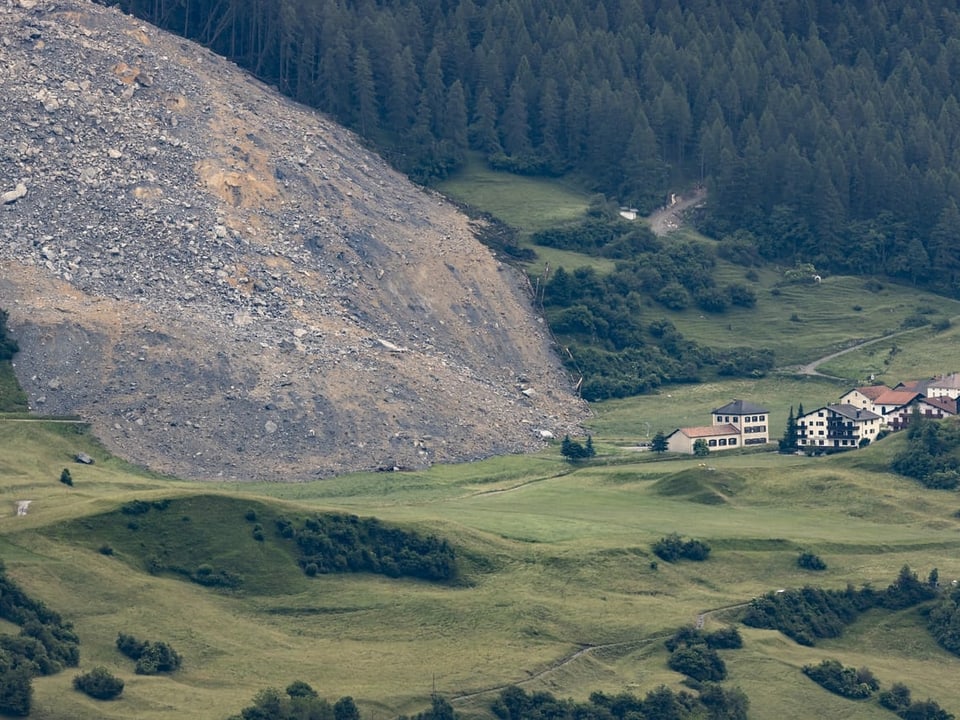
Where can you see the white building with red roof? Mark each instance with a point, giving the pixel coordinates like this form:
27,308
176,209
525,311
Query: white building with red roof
738,423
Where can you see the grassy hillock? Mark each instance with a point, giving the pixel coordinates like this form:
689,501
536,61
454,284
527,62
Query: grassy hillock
554,558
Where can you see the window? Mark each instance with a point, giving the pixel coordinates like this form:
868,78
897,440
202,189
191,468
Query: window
733,441
723,441
712,443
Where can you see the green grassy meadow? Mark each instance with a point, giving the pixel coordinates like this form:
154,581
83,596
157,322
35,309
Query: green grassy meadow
554,560
527,203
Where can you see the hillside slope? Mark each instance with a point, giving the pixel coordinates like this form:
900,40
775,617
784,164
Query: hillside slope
227,285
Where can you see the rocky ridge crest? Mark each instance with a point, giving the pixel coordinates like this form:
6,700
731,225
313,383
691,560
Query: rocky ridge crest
227,285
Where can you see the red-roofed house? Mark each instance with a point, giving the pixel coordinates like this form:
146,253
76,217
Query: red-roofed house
718,437
887,402
880,399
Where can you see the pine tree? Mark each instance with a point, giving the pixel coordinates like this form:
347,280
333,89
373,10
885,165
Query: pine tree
588,449
788,443
659,444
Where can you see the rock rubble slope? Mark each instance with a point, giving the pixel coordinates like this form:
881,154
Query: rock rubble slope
227,285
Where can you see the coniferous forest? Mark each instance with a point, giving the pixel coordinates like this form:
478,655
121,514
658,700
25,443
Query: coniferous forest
829,130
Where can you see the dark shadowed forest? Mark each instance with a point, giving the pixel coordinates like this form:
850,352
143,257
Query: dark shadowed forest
829,130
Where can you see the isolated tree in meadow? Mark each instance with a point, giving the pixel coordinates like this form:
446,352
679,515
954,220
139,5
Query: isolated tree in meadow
659,444
66,478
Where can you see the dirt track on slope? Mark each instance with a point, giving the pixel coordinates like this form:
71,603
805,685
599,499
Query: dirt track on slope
668,219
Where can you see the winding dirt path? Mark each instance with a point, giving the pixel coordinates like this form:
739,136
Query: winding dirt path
811,367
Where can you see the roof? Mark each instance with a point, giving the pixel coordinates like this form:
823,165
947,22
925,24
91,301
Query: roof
740,407
897,397
915,385
708,431
949,382
852,412
947,404
870,391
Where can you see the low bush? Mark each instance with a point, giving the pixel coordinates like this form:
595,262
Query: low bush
847,682
672,548
99,684
809,561
152,657
699,662
135,507
727,638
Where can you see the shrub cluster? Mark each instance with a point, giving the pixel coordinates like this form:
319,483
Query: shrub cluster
672,548
928,456
203,574
151,657
601,318
809,561
845,681
693,652
714,701
99,684
897,699
45,645
808,614
346,543
142,507
727,638
698,662
299,700
944,622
